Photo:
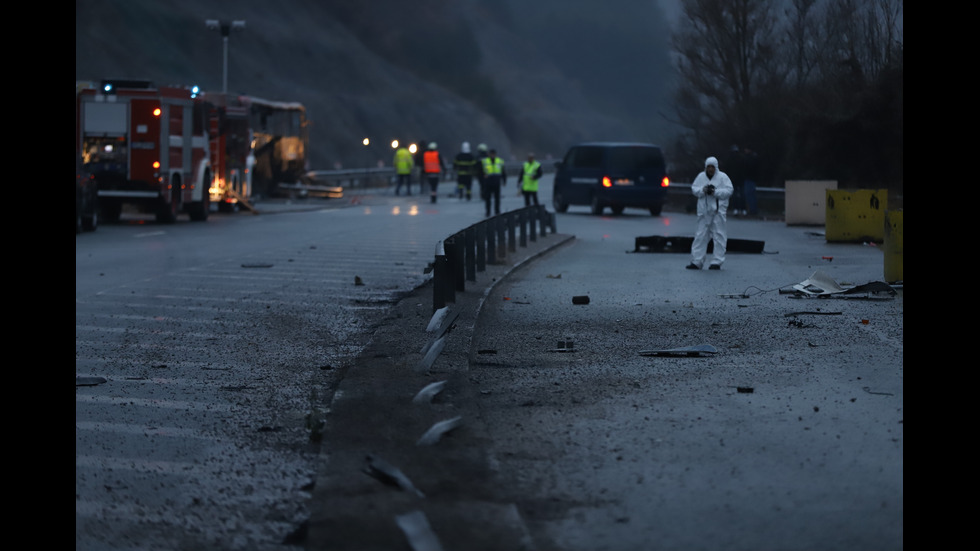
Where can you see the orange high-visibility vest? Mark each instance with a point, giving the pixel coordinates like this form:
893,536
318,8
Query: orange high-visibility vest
431,160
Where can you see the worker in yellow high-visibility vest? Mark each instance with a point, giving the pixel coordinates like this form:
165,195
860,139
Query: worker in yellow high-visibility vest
404,163
494,176
528,180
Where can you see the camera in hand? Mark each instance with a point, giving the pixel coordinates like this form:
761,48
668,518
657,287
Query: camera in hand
709,189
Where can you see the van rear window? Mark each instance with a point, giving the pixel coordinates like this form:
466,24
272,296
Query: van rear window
584,157
629,159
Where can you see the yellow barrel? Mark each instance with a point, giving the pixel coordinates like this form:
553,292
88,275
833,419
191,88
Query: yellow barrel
893,246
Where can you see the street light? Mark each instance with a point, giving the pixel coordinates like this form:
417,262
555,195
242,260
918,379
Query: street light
225,28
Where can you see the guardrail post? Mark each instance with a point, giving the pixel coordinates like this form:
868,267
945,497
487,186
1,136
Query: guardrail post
440,269
469,241
532,222
511,235
491,240
522,220
501,224
455,253
481,247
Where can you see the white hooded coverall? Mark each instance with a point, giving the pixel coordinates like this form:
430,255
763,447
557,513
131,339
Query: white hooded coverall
712,213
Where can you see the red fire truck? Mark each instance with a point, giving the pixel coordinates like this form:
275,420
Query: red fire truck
146,146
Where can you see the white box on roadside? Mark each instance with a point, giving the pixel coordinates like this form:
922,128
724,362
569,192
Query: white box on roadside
806,201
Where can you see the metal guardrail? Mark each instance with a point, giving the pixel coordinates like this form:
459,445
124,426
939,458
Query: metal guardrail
460,256
360,178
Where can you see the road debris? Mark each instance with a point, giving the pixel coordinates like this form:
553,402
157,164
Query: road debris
426,395
431,351
820,284
682,244
564,346
580,299
698,350
416,528
390,475
436,431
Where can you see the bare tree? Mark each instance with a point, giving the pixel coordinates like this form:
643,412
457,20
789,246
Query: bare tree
815,85
726,56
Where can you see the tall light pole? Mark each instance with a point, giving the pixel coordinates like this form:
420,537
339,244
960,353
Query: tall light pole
225,28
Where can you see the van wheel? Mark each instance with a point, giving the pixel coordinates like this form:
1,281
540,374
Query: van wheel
617,210
656,209
559,202
597,205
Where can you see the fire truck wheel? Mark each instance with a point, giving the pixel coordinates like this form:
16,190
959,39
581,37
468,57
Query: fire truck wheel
167,212
199,210
111,210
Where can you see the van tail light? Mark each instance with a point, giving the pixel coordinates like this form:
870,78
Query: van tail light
665,182
606,182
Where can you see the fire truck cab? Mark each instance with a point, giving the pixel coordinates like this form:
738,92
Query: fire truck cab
146,146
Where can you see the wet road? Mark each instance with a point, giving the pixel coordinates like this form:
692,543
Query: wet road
223,343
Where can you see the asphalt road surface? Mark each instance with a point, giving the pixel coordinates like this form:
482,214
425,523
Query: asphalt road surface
245,388
567,434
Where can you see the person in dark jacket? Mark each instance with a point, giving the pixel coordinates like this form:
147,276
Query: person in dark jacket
481,153
420,165
465,166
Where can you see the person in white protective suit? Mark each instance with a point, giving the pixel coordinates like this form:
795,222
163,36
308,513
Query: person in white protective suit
713,188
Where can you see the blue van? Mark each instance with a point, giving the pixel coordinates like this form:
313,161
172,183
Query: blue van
611,174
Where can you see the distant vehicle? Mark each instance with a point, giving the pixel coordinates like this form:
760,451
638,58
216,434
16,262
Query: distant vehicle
258,148
611,174
86,199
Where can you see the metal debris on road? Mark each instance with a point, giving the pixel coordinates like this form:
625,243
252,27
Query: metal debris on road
257,265
436,319
820,284
426,395
89,381
682,244
389,474
431,351
564,346
580,299
416,528
436,431
697,350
